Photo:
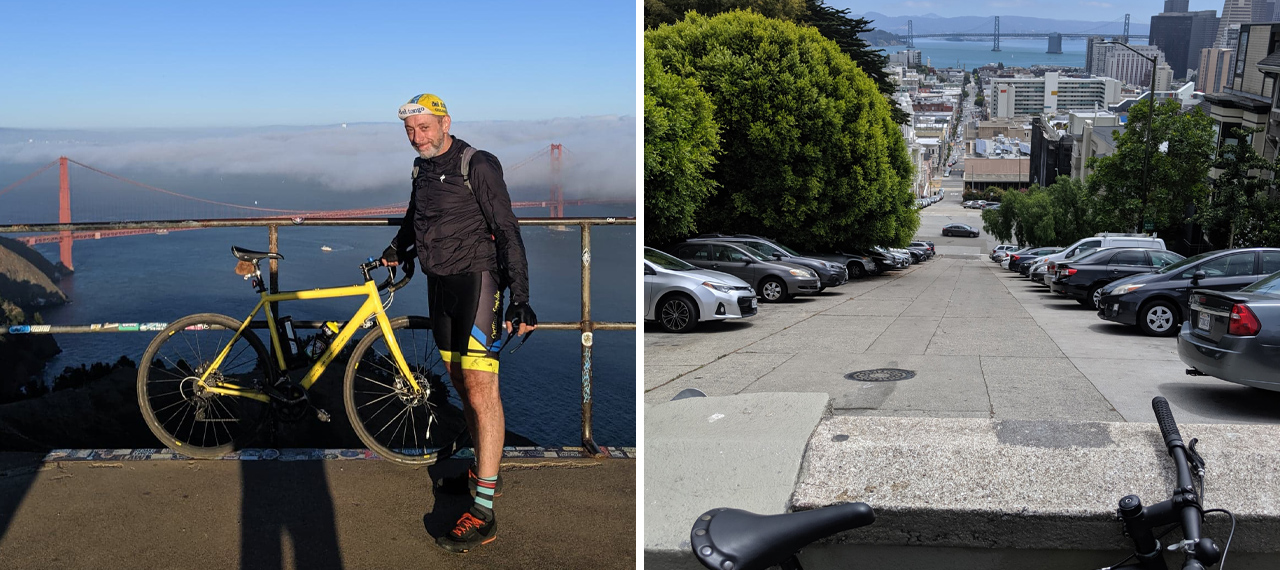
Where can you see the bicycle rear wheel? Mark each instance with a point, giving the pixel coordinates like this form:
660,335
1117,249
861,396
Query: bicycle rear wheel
182,414
388,416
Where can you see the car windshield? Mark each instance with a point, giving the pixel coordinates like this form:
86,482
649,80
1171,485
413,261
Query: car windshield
1188,261
789,251
753,252
665,261
1092,256
1269,285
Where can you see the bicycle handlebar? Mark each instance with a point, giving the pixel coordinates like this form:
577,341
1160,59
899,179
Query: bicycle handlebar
389,282
1183,507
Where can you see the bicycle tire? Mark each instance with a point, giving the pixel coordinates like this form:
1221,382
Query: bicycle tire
430,425
231,419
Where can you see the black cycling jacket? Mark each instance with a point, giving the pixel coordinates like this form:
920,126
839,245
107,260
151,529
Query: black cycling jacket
447,226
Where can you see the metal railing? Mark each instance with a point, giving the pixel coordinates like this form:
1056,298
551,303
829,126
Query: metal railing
585,326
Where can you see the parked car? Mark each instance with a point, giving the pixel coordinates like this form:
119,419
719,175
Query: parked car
1083,278
1099,241
962,230
1020,258
775,280
884,259
1000,251
830,274
967,204
1232,335
857,266
1158,302
678,295
925,246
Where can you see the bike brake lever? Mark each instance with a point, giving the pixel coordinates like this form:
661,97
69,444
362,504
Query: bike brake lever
1196,460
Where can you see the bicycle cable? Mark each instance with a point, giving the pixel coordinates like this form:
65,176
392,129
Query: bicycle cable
1222,563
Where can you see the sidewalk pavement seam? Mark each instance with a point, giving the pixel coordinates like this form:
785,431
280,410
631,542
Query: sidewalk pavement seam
1064,354
986,385
944,313
753,382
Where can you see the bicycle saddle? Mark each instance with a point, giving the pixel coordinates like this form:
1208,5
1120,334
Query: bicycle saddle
734,539
253,256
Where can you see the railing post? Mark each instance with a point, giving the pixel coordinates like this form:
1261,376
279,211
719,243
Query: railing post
587,333
273,280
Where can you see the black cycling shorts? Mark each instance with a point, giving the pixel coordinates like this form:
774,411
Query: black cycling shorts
466,318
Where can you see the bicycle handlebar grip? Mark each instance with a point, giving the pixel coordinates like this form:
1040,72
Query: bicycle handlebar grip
408,274
1168,427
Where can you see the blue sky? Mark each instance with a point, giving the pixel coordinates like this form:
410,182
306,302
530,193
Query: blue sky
236,64
1092,10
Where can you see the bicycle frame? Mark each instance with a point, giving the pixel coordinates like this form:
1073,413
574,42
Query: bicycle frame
372,307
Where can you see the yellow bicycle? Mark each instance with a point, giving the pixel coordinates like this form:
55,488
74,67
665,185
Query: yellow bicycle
208,383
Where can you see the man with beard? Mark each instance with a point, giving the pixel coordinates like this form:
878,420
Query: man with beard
460,226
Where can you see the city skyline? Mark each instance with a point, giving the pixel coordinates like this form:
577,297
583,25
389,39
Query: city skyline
240,64
1087,10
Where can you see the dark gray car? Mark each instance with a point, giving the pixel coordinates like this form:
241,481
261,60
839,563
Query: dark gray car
1233,335
774,280
830,274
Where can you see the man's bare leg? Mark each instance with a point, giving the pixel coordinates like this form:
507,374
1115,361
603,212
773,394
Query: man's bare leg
484,419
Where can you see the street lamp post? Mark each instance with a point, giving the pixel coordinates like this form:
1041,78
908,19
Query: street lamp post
1151,119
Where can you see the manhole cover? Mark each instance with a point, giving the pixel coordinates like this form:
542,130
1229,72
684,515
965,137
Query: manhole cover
881,375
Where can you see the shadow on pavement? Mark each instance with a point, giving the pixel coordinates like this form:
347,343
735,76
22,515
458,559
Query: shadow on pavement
1225,402
1116,329
652,327
287,500
1068,306
447,507
17,472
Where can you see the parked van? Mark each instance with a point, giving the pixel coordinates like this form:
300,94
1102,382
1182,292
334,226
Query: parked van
1102,240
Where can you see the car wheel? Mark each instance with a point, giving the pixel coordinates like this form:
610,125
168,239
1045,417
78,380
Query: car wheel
856,271
677,314
1158,318
1093,298
773,290
822,288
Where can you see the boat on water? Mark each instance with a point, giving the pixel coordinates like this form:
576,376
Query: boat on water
325,248
162,232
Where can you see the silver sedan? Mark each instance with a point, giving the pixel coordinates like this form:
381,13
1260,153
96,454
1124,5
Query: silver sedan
678,295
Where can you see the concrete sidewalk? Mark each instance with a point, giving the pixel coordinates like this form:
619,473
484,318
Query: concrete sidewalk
306,515
1008,448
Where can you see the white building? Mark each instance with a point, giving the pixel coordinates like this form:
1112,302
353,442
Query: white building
1131,67
1051,94
907,57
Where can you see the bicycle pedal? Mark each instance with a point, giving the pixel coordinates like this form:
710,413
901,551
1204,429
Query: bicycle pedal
322,415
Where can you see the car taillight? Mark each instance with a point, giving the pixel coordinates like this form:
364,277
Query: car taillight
1243,322
1071,271
1013,258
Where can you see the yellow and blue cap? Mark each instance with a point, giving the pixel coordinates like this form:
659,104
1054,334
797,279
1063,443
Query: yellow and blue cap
424,103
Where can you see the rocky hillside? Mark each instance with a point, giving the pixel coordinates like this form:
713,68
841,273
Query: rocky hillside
27,278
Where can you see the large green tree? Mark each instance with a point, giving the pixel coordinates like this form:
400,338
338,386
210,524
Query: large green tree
1240,211
658,12
1181,150
1058,214
681,141
834,24
810,154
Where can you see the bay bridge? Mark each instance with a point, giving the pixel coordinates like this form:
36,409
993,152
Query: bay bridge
140,201
910,37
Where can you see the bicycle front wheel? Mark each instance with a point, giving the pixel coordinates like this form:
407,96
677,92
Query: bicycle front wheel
181,412
390,417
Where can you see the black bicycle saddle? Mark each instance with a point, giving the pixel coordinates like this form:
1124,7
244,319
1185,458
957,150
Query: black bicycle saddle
734,539
253,256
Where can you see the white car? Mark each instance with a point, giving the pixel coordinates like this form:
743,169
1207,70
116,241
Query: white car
678,295
1002,251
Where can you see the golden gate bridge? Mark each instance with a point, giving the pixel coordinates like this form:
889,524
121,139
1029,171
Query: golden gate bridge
211,209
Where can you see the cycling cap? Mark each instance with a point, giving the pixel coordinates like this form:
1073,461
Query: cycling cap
424,103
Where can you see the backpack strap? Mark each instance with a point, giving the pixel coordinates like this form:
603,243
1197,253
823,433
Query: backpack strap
467,153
